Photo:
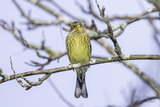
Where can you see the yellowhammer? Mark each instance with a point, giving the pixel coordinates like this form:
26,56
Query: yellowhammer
79,51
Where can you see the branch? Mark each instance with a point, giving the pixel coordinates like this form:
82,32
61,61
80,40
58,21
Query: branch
110,31
156,3
91,11
53,55
142,14
4,76
131,18
30,84
137,17
32,23
74,66
59,17
137,103
118,50
49,59
144,77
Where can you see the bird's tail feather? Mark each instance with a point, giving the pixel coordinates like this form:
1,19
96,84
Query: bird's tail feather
81,89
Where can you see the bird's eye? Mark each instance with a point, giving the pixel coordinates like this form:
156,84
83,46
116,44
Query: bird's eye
74,26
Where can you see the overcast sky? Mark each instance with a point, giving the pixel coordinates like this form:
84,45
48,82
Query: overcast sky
107,84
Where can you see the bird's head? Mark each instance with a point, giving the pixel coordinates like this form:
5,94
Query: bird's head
76,25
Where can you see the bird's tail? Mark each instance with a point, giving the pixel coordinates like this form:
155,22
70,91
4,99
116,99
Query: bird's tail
81,88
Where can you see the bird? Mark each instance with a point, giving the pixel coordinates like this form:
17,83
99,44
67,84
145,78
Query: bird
79,51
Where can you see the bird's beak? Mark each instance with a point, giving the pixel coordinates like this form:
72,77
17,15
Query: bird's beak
79,25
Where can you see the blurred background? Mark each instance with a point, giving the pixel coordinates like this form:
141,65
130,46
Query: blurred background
108,84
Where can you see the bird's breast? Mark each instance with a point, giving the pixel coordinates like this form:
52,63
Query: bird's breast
79,50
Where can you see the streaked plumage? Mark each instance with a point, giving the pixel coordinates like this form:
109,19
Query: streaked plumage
79,51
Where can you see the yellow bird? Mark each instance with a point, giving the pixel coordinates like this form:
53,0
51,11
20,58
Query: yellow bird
79,51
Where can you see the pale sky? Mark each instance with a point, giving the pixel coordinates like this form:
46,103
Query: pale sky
107,84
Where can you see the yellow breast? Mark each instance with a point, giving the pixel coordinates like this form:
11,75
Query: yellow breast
78,47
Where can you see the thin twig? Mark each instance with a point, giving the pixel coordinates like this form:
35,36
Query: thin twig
13,70
30,84
137,103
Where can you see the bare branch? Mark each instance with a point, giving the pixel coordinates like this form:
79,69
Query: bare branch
130,17
137,103
53,55
91,11
156,3
128,64
110,31
59,17
142,14
32,23
74,66
30,84
4,76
